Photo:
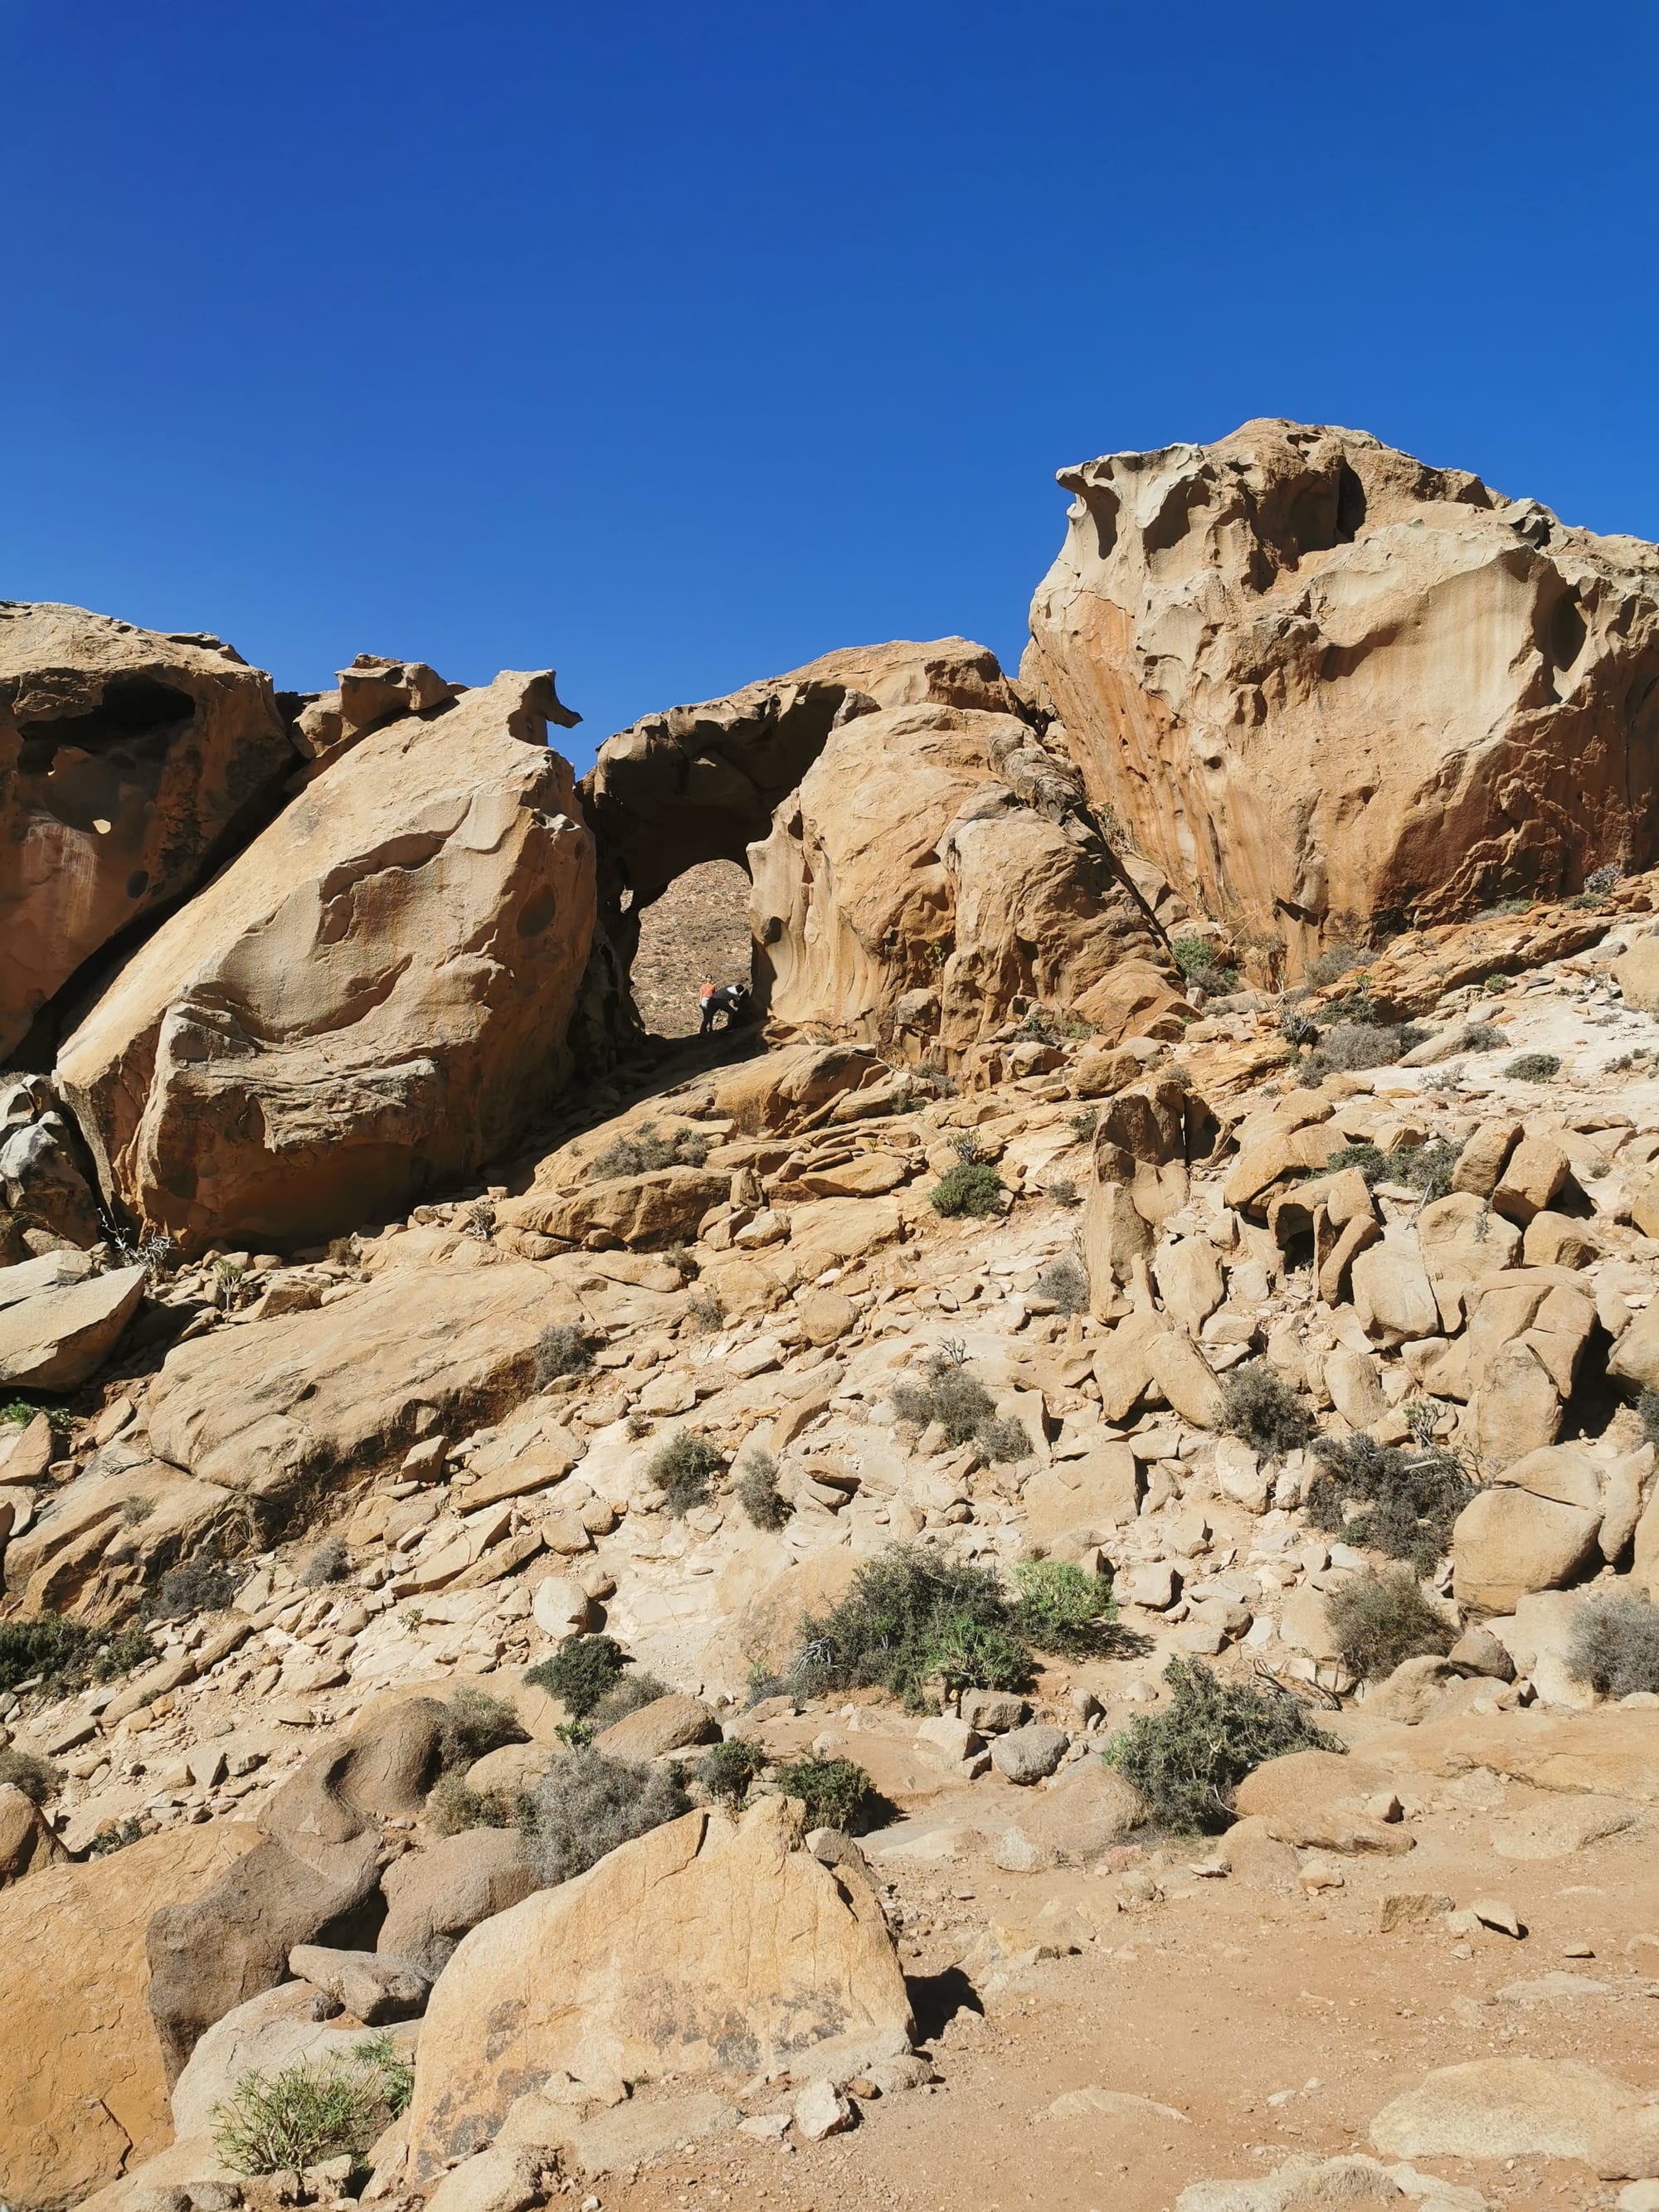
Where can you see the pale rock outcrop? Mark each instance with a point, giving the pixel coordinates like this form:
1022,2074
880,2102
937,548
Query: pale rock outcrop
41,1185
60,1318
1262,654
83,2093
698,1947
371,693
1509,2108
128,761
277,2029
365,1002
1507,1542
120,1523
436,1895
26,1841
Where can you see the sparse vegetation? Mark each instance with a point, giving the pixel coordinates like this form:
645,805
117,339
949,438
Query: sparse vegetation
949,1394
1601,881
122,1653
580,1673
1059,1608
475,1723
451,1808
585,1805
204,1584
910,1615
1534,1067
1406,1497
646,1151
727,1770
135,1512
1614,1644
1188,1760
1295,1027
1480,1036
1258,1405
329,1563
114,1836
36,1777
1647,1407
280,2123
971,1187
1065,1280
834,1793
43,1645
562,1350
683,1471
758,1490
704,1313
1003,1442
1337,960
1426,1168
1063,1190
628,1696
1353,1044
1084,1122
1199,965
1376,1621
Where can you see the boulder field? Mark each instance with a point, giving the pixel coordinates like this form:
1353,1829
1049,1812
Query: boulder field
454,1442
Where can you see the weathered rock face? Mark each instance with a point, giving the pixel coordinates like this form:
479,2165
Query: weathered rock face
693,1948
366,1000
1323,684
125,759
41,1185
372,692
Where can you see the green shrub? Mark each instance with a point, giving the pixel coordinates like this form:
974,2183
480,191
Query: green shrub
1188,1761
1601,881
1295,1027
580,1673
1408,1497
1480,1036
684,1469
912,1613
585,1805
971,1186
329,1563
1426,1168
951,1395
704,1313
114,1836
628,1696
278,2123
475,1723
1059,1608
1196,958
451,1808
1065,1280
1084,1122
1534,1067
1258,1405
836,1793
562,1350
202,1584
36,1777
1063,1190
646,1151
1614,1644
726,1769
122,1654
42,1644
1376,1621
758,1490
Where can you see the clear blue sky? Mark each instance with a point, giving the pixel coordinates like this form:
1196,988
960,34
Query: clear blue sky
670,346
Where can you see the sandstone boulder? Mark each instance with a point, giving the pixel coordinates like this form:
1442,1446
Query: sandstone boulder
435,1895
128,764
41,1185
26,1841
110,1529
697,1947
671,1723
83,2093
1508,1541
661,1207
1509,2108
272,2031
1258,650
58,1336
1636,973
365,999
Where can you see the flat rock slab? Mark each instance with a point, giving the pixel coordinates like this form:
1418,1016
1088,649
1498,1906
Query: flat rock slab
59,1337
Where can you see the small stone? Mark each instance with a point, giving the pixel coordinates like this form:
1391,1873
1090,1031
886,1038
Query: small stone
1029,1755
821,2111
1498,1912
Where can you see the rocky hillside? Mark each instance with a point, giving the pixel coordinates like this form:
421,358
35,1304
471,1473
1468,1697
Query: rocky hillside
1041,1566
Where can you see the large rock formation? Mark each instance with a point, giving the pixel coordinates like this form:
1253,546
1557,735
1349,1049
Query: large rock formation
1326,687
125,759
366,1000
908,837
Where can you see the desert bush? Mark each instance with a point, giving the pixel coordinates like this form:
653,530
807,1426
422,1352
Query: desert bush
1065,1280
1351,1045
1534,1067
911,1613
704,1312
1647,1406
451,1808
1426,1168
475,1723
1601,881
726,1769
971,1187
683,1471
279,2123
647,1149
122,1653
1063,1190
1614,1644
204,1584
42,1644
1378,1620
1295,1027
114,1836
1196,958
36,1777
585,1805
1059,1608
627,1696
580,1673
758,1490
1084,1122
1408,1497
949,1394
329,1563
1480,1036
135,1512
1336,960
562,1350
835,1793
1258,1405
1003,1440
1188,1760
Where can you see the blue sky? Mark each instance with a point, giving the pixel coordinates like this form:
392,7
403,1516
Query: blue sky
672,345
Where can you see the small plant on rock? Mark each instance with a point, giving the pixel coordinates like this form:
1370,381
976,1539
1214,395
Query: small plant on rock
329,1563
726,1769
1378,1620
1084,1122
1601,881
1534,1067
1066,1282
451,1808
202,1584
580,1673
585,1805
647,1150
1647,1407
683,1471
1258,1405
1614,1644
1063,1190
36,1777
1336,960
628,1696
281,2123
122,1654
1352,1045
1188,1760
1003,1441
834,1793
912,1614
474,1724
1059,1608
1388,1498
956,1400
42,1645
971,1187
562,1350
758,1490
704,1313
